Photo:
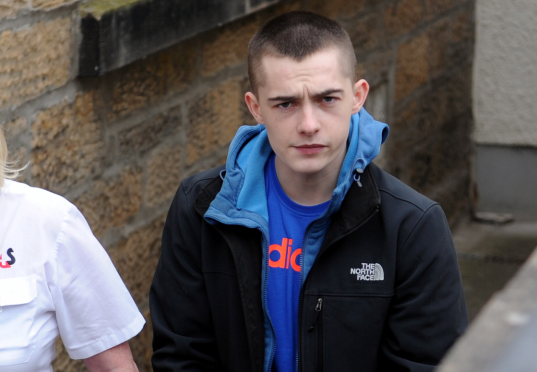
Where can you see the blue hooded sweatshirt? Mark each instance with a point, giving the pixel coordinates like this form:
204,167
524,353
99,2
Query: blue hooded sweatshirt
242,199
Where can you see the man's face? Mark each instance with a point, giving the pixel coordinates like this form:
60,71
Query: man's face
306,108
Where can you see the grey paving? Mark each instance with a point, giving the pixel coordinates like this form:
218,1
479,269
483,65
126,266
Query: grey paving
489,255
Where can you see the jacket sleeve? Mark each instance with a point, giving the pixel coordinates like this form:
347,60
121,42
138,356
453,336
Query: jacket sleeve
428,310
183,335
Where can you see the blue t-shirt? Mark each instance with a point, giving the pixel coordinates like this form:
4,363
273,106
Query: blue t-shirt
287,225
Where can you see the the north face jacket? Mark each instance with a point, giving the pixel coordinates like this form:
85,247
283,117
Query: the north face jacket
382,294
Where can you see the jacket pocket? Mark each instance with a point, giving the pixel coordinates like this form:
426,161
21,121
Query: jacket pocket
17,313
346,332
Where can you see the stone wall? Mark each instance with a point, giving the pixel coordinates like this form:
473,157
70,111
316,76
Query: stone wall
118,145
504,94
504,87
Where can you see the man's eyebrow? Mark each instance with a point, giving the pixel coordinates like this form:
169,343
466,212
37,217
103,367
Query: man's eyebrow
283,98
327,93
324,93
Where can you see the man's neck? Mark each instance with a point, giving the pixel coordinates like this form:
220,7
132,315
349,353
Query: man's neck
305,189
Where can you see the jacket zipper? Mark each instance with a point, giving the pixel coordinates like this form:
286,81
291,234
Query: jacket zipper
318,325
265,304
297,363
300,302
318,309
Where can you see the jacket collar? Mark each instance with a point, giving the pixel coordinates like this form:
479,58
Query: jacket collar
357,207
360,203
207,194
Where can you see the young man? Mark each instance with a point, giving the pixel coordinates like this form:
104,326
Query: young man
301,255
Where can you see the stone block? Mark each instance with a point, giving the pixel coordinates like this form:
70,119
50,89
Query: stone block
450,153
441,152
405,118
136,257
116,33
148,134
412,69
227,46
365,33
463,27
435,110
135,87
50,4
436,8
360,71
439,37
339,9
164,172
430,135
67,145
112,202
461,48
402,16
452,95
34,60
15,127
378,66
9,8
177,66
281,7
401,141
213,119
424,169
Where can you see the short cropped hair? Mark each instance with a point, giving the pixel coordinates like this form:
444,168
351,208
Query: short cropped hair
298,34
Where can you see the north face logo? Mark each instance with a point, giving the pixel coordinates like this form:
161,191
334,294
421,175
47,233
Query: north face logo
368,272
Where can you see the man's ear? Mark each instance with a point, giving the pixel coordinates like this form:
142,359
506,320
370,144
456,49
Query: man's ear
361,89
253,106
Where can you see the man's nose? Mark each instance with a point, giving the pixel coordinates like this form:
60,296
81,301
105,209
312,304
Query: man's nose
309,123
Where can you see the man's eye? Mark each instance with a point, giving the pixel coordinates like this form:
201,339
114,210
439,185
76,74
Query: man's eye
285,105
328,99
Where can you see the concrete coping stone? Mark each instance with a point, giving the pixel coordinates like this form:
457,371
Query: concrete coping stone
503,336
118,32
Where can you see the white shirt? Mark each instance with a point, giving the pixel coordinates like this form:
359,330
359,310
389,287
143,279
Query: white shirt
55,280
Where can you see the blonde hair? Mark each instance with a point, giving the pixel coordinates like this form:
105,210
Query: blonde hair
7,170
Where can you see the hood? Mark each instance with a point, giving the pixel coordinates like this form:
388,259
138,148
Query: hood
242,198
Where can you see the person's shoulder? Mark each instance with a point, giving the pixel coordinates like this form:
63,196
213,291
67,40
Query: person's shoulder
35,197
195,183
35,208
196,192
392,188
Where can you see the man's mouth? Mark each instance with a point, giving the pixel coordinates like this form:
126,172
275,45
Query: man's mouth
310,149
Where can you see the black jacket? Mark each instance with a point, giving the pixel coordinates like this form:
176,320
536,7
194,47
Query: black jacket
206,294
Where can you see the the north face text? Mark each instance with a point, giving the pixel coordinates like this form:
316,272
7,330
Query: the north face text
368,272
